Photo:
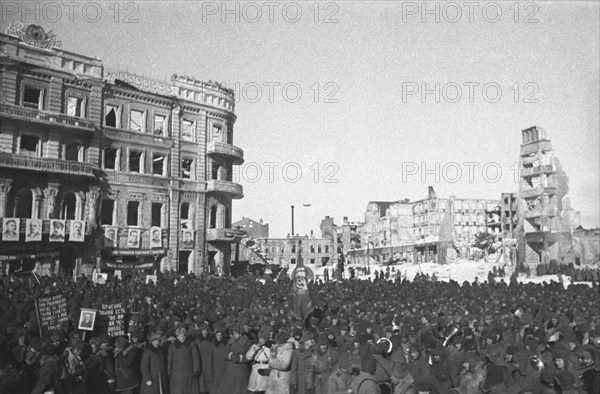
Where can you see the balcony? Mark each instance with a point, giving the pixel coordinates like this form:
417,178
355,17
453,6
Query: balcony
220,234
528,172
34,115
232,189
534,147
231,152
538,191
42,164
538,212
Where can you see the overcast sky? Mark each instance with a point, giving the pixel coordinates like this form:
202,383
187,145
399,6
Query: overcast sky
361,68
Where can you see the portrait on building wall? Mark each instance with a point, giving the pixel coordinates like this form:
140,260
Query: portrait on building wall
187,241
77,231
110,237
10,229
133,239
57,230
33,230
87,319
155,237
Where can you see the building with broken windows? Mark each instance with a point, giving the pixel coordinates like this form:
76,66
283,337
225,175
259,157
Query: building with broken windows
146,165
410,231
548,227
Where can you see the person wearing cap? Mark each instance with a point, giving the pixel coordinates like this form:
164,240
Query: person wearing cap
326,358
340,377
259,354
237,373
98,365
364,382
472,374
50,371
280,361
589,370
216,367
417,363
524,377
204,343
303,365
153,368
75,369
125,378
183,365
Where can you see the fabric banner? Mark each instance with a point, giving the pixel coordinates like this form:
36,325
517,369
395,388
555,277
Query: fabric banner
52,311
111,319
302,302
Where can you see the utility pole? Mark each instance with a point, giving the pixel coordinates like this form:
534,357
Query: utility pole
293,221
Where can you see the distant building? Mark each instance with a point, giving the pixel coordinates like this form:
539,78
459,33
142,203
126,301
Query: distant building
410,231
502,220
546,221
254,230
285,251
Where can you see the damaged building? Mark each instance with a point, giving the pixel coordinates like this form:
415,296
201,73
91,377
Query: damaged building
548,228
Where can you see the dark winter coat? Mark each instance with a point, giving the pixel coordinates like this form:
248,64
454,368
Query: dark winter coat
205,348
153,370
50,373
125,377
183,363
217,364
237,367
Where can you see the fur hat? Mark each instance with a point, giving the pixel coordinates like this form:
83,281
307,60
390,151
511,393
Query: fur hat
121,343
155,337
565,380
264,332
281,338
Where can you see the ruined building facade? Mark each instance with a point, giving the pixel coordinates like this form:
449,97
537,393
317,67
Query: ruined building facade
145,165
544,229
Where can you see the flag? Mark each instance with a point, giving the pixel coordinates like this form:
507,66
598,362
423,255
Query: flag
302,302
307,205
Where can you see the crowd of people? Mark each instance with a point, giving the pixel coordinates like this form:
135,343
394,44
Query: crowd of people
239,335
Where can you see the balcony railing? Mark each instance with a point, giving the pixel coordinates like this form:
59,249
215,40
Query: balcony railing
537,212
220,234
235,190
17,112
231,151
538,191
43,164
537,170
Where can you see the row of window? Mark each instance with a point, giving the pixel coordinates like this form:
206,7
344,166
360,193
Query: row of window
293,249
31,145
136,163
139,120
158,214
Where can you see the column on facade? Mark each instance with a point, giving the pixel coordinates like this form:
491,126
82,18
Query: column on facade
5,185
50,193
91,205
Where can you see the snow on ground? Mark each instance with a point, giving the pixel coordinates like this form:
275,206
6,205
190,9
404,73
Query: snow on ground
461,271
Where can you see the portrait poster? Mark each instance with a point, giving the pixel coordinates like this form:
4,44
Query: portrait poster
77,231
10,229
33,230
87,318
57,230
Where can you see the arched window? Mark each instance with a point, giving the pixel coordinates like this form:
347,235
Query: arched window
23,204
213,217
73,152
69,206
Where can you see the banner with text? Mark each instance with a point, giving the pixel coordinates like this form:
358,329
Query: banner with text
110,319
52,311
